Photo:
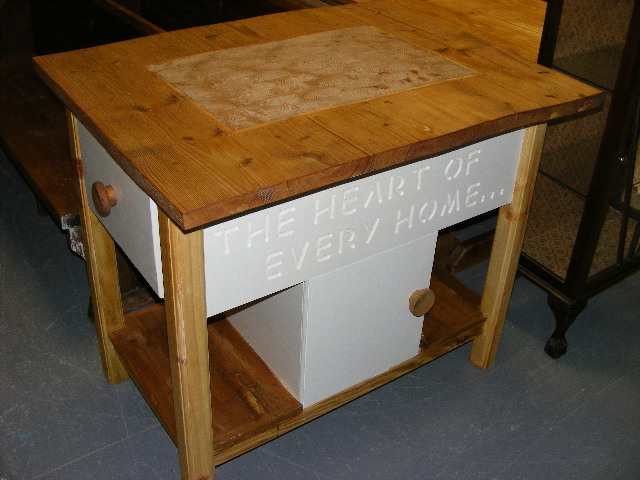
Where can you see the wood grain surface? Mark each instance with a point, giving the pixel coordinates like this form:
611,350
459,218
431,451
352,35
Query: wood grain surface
303,74
505,252
183,272
246,396
199,171
512,25
102,270
251,406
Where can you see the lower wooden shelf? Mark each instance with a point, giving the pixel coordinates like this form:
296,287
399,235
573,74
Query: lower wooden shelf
249,405
455,317
247,398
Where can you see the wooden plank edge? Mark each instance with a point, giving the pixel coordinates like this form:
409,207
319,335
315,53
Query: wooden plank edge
368,164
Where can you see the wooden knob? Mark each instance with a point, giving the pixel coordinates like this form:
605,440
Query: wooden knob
421,301
104,197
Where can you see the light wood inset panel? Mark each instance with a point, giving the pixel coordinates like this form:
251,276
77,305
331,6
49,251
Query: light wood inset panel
247,86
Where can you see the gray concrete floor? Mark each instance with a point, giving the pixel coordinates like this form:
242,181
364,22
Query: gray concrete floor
528,417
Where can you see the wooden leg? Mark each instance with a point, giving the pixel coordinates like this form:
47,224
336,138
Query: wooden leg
505,252
102,269
183,271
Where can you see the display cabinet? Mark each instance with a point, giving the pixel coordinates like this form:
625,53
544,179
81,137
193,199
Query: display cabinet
583,231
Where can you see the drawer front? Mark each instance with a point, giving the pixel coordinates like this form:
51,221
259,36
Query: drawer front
278,247
133,221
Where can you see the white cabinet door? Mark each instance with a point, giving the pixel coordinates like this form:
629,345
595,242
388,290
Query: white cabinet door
343,327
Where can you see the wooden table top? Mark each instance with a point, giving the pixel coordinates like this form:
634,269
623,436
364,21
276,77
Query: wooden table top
436,88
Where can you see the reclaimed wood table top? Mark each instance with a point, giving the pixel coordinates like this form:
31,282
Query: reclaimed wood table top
214,121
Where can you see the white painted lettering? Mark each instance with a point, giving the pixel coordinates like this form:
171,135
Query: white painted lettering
419,172
473,158
374,193
297,262
272,271
453,168
329,209
371,231
321,246
347,200
395,186
408,219
423,209
283,222
345,240
472,192
264,232
225,237
453,201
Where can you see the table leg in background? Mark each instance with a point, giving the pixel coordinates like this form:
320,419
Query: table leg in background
102,269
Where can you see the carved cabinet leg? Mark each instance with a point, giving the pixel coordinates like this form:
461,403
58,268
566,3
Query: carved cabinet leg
565,313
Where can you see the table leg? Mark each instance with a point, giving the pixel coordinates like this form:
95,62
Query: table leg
100,255
183,271
505,252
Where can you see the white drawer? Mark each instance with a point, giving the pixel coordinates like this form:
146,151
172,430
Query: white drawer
133,221
275,248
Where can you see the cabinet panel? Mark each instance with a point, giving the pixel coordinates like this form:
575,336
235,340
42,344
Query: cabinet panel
338,329
272,249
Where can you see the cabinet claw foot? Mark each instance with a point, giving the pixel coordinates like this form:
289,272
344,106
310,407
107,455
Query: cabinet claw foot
565,313
556,347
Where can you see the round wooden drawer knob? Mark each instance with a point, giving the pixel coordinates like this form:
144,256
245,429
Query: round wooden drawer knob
104,197
421,301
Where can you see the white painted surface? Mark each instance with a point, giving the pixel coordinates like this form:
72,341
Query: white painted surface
280,246
358,322
336,330
344,260
277,247
274,326
133,222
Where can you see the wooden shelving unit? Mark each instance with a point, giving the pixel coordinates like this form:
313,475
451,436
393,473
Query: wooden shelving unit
251,405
